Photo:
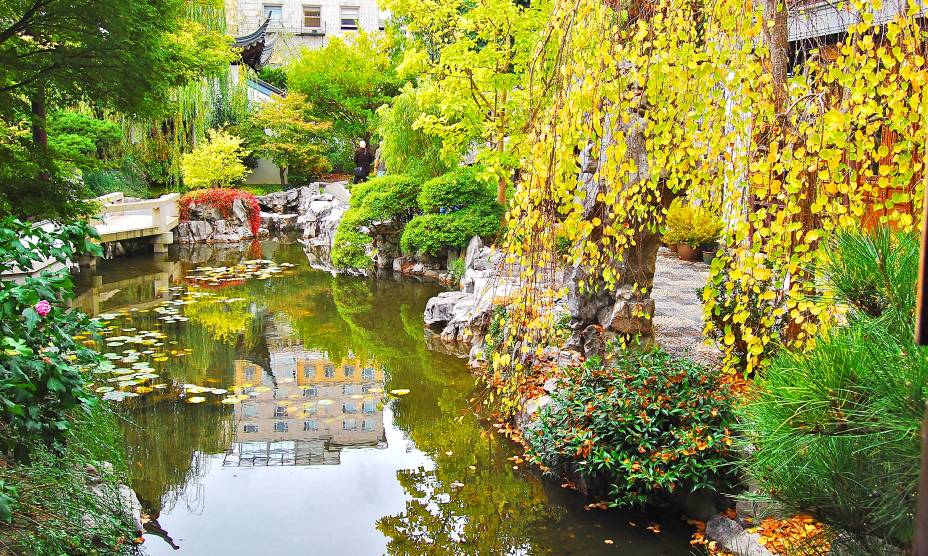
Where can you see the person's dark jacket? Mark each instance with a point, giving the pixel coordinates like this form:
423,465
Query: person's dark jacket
363,159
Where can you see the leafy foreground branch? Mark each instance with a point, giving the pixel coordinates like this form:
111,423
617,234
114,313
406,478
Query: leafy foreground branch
61,463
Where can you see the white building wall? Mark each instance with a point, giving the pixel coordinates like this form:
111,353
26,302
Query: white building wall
244,16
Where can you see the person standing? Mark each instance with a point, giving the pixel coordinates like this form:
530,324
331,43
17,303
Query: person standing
363,158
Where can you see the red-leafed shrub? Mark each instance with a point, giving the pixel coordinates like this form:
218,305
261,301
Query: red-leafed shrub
222,200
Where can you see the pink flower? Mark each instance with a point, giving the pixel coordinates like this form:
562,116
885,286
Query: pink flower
43,308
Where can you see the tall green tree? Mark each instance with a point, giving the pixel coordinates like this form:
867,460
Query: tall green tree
292,140
114,55
346,82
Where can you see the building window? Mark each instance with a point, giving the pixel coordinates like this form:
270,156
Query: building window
312,17
310,425
350,389
367,425
249,374
251,428
250,410
311,392
367,374
330,371
349,371
309,372
310,411
369,407
280,411
350,424
280,426
349,407
275,12
350,16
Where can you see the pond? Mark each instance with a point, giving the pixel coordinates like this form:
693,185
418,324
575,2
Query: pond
264,411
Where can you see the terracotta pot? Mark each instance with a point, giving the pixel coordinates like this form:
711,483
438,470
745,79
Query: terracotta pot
672,247
688,253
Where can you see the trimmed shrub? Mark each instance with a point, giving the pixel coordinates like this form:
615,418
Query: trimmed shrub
457,207
647,424
836,429
349,249
387,198
432,233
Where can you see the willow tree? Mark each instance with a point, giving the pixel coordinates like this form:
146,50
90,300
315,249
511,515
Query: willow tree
472,59
113,55
654,100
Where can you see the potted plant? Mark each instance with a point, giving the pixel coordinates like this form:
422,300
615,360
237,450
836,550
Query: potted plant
704,227
708,251
676,224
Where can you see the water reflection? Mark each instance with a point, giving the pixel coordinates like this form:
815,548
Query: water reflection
305,409
314,453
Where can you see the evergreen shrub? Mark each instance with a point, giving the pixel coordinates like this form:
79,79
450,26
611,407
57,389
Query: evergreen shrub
647,424
836,429
456,207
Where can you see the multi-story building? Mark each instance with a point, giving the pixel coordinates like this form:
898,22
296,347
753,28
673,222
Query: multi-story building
303,23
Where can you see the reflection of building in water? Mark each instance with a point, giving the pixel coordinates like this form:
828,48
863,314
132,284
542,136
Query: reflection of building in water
306,410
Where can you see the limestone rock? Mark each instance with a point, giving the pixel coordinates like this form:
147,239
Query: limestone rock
291,201
439,309
194,231
732,538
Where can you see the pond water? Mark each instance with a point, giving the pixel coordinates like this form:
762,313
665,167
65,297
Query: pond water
264,420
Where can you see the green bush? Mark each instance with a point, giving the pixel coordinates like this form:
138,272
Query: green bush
406,148
128,178
349,249
386,198
836,429
432,233
647,424
457,207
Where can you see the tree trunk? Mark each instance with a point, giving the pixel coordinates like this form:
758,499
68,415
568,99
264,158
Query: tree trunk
283,174
501,147
776,34
40,133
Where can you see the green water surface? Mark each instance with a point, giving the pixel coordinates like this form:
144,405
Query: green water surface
318,458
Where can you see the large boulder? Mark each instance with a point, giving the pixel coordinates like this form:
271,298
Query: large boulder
290,201
733,538
440,309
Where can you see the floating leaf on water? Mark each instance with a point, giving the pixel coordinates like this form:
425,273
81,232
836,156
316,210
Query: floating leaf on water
262,388
231,400
107,316
376,390
325,402
219,391
117,396
104,389
159,359
159,386
196,399
399,392
144,389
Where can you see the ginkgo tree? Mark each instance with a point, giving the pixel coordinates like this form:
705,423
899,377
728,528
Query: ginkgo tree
653,101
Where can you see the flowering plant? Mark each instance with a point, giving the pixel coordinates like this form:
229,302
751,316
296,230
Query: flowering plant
222,200
41,378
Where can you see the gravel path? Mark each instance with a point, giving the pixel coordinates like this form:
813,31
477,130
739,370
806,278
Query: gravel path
678,322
